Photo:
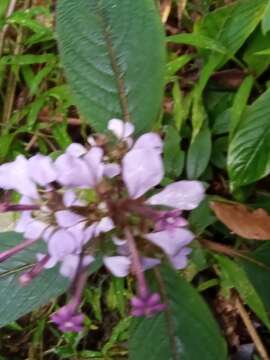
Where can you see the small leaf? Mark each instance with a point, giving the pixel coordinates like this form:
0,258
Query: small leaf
173,155
114,56
247,223
199,154
186,330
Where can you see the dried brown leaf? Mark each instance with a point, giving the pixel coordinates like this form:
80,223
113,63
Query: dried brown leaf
243,221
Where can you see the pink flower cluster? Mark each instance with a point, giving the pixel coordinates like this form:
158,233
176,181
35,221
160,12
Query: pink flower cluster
95,194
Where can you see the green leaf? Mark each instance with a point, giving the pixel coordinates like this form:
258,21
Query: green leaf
258,272
199,153
231,25
175,65
255,55
15,300
114,56
173,155
187,329
198,40
27,59
266,20
240,103
249,149
236,277
201,217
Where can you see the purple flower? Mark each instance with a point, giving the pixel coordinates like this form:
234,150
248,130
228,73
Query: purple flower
67,320
146,306
93,194
170,220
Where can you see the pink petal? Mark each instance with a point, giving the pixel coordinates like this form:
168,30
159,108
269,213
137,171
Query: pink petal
66,218
70,264
112,170
142,170
76,149
15,176
149,141
184,195
180,260
50,263
149,263
171,242
120,128
118,265
61,244
41,169
72,171
94,161
106,224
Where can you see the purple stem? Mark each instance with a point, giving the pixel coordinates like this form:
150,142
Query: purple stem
4,207
137,267
28,276
8,253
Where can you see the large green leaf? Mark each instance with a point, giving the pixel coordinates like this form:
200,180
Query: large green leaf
249,149
114,56
186,331
16,300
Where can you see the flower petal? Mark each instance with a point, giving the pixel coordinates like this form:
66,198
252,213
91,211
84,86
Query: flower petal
149,141
66,218
15,175
41,169
180,260
120,128
70,264
106,224
149,263
171,242
112,170
72,171
184,195
142,170
61,244
118,265
93,159
76,149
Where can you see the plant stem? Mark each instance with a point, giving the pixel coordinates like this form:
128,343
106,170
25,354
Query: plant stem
251,329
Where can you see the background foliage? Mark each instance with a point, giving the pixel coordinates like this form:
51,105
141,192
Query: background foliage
216,127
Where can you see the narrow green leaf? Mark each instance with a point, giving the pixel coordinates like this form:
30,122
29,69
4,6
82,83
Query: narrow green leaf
199,153
235,275
175,65
187,329
114,56
240,103
249,149
27,59
173,155
198,40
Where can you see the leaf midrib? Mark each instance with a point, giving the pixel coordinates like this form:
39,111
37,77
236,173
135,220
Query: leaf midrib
119,77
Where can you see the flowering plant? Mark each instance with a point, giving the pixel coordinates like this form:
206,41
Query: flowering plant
94,199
